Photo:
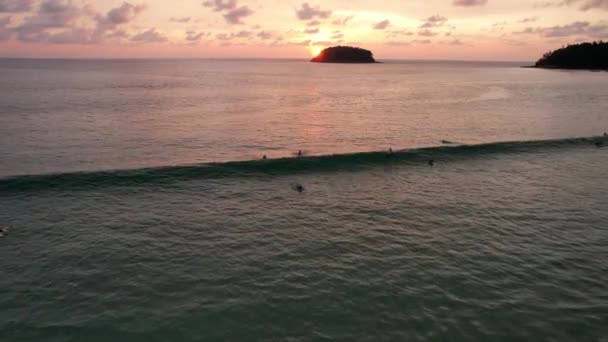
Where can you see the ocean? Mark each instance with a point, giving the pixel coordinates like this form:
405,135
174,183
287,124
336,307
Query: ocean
138,207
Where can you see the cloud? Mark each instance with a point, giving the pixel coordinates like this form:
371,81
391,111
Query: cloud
301,43
398,43
235,16
52,15
312,30
313,23
118,34
469,3
234,35
149,36
434,21
16,6
584,5
120,15
61,22
5,32
337,35
243,34
324,43
193,36
221,5
592,4
307,12
343,21
73,36
566,30
223,36
579,28
382,25
181,20
408,43
528,20
426,33
402,32
265,35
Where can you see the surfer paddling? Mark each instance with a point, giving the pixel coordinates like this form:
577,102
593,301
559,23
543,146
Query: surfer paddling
298,187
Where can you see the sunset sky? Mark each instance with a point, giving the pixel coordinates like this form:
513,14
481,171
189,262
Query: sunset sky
405,29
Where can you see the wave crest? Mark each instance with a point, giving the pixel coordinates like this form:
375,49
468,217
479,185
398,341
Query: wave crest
271,167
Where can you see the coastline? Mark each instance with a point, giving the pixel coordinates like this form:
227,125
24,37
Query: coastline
563,68
343,62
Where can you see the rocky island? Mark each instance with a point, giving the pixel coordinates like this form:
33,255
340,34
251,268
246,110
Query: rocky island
344,54
588,56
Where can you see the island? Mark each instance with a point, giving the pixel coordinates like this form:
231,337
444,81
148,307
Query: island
344,54
588,56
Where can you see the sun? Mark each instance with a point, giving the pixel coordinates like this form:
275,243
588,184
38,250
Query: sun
315,50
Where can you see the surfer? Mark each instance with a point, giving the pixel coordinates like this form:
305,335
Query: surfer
299,188
300,153
264,157
605,134
431,163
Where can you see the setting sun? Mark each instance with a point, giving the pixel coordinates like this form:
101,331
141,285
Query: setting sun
315,50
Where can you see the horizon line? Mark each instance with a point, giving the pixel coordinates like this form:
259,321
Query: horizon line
245,59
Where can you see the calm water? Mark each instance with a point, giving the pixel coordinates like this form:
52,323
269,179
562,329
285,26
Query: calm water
91,115
149,242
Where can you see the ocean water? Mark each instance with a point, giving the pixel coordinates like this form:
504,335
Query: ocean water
139,207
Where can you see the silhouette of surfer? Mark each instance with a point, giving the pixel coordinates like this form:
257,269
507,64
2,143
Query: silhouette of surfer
431,163
298,187
605,134
300,153
264,157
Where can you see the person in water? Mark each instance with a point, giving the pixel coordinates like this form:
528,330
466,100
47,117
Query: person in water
264,157
431,162
300,153
299,188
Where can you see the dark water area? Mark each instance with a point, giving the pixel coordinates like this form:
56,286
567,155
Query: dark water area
491,246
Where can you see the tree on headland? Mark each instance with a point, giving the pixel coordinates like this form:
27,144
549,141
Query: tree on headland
344,54
592,56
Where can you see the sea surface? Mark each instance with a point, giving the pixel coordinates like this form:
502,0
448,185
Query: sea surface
137,207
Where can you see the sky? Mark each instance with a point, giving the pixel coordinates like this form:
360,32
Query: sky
508,30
